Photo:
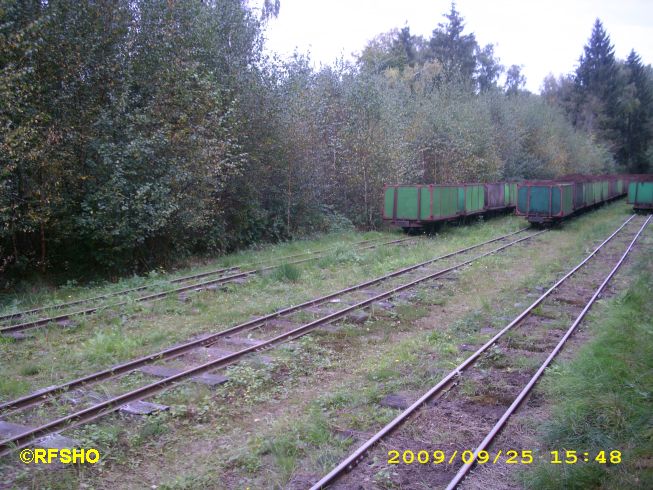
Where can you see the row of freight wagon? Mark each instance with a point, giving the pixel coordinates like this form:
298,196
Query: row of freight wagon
417,206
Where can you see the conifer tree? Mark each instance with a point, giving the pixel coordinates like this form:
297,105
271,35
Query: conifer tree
636,116
455,50
596,86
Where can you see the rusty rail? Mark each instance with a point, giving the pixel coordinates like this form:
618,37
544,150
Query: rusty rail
175,351
96,411
354,457
462,472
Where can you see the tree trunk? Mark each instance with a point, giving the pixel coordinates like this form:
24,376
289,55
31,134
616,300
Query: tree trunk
367,210
14,242
42,247
288,202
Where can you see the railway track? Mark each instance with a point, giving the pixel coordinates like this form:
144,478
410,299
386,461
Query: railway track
559,293
215,351
223,276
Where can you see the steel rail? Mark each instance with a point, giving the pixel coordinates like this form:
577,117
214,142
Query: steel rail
351,460
18,314
212,338
156,296
462,472
113,404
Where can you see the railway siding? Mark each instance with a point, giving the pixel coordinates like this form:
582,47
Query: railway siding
276,418
245,346
462,415
111,337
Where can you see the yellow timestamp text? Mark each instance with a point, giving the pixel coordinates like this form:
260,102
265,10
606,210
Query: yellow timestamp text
567,456
511,456
439,456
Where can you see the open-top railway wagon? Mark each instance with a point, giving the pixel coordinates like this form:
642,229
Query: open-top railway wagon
640,192
548,201
416,206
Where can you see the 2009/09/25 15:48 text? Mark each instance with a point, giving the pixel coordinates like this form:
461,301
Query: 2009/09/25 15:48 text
511,456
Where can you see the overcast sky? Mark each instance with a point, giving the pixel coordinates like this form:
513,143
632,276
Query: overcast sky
542,36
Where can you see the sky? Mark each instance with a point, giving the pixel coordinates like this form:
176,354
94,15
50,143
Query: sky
542,36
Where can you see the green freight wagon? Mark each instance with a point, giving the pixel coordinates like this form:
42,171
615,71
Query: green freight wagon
640,194
545,201
414,206
552,200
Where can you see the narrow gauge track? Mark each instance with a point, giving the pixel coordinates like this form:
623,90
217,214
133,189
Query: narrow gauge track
452,378
223,270
462,472
361,297
225,275
208,340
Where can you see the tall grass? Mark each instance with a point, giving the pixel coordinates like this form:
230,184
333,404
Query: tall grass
287,273
604,399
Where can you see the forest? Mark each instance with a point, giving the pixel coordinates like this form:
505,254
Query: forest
137,133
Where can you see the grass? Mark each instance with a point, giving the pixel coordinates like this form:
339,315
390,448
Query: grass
361,363
115,335
604,398
41,294
287,272
288,445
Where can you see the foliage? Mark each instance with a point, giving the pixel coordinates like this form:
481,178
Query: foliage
133,133
120,128
610,99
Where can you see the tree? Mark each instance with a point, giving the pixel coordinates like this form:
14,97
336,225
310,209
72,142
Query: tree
120,126
596,86
404,48
515,81
455,51
636,115
488,70
394,49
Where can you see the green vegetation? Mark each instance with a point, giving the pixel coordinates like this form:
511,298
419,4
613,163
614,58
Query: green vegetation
611,99
118,334
279,422
287,272
603,399
136,134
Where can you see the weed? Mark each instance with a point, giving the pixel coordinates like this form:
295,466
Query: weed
603,397
189,482
287,273
249,461
443,342
103,436
542,312
253,384
30,370
305,356
383,374
384,478
494,357
153,427
373,416
285,448
12,387
335,401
